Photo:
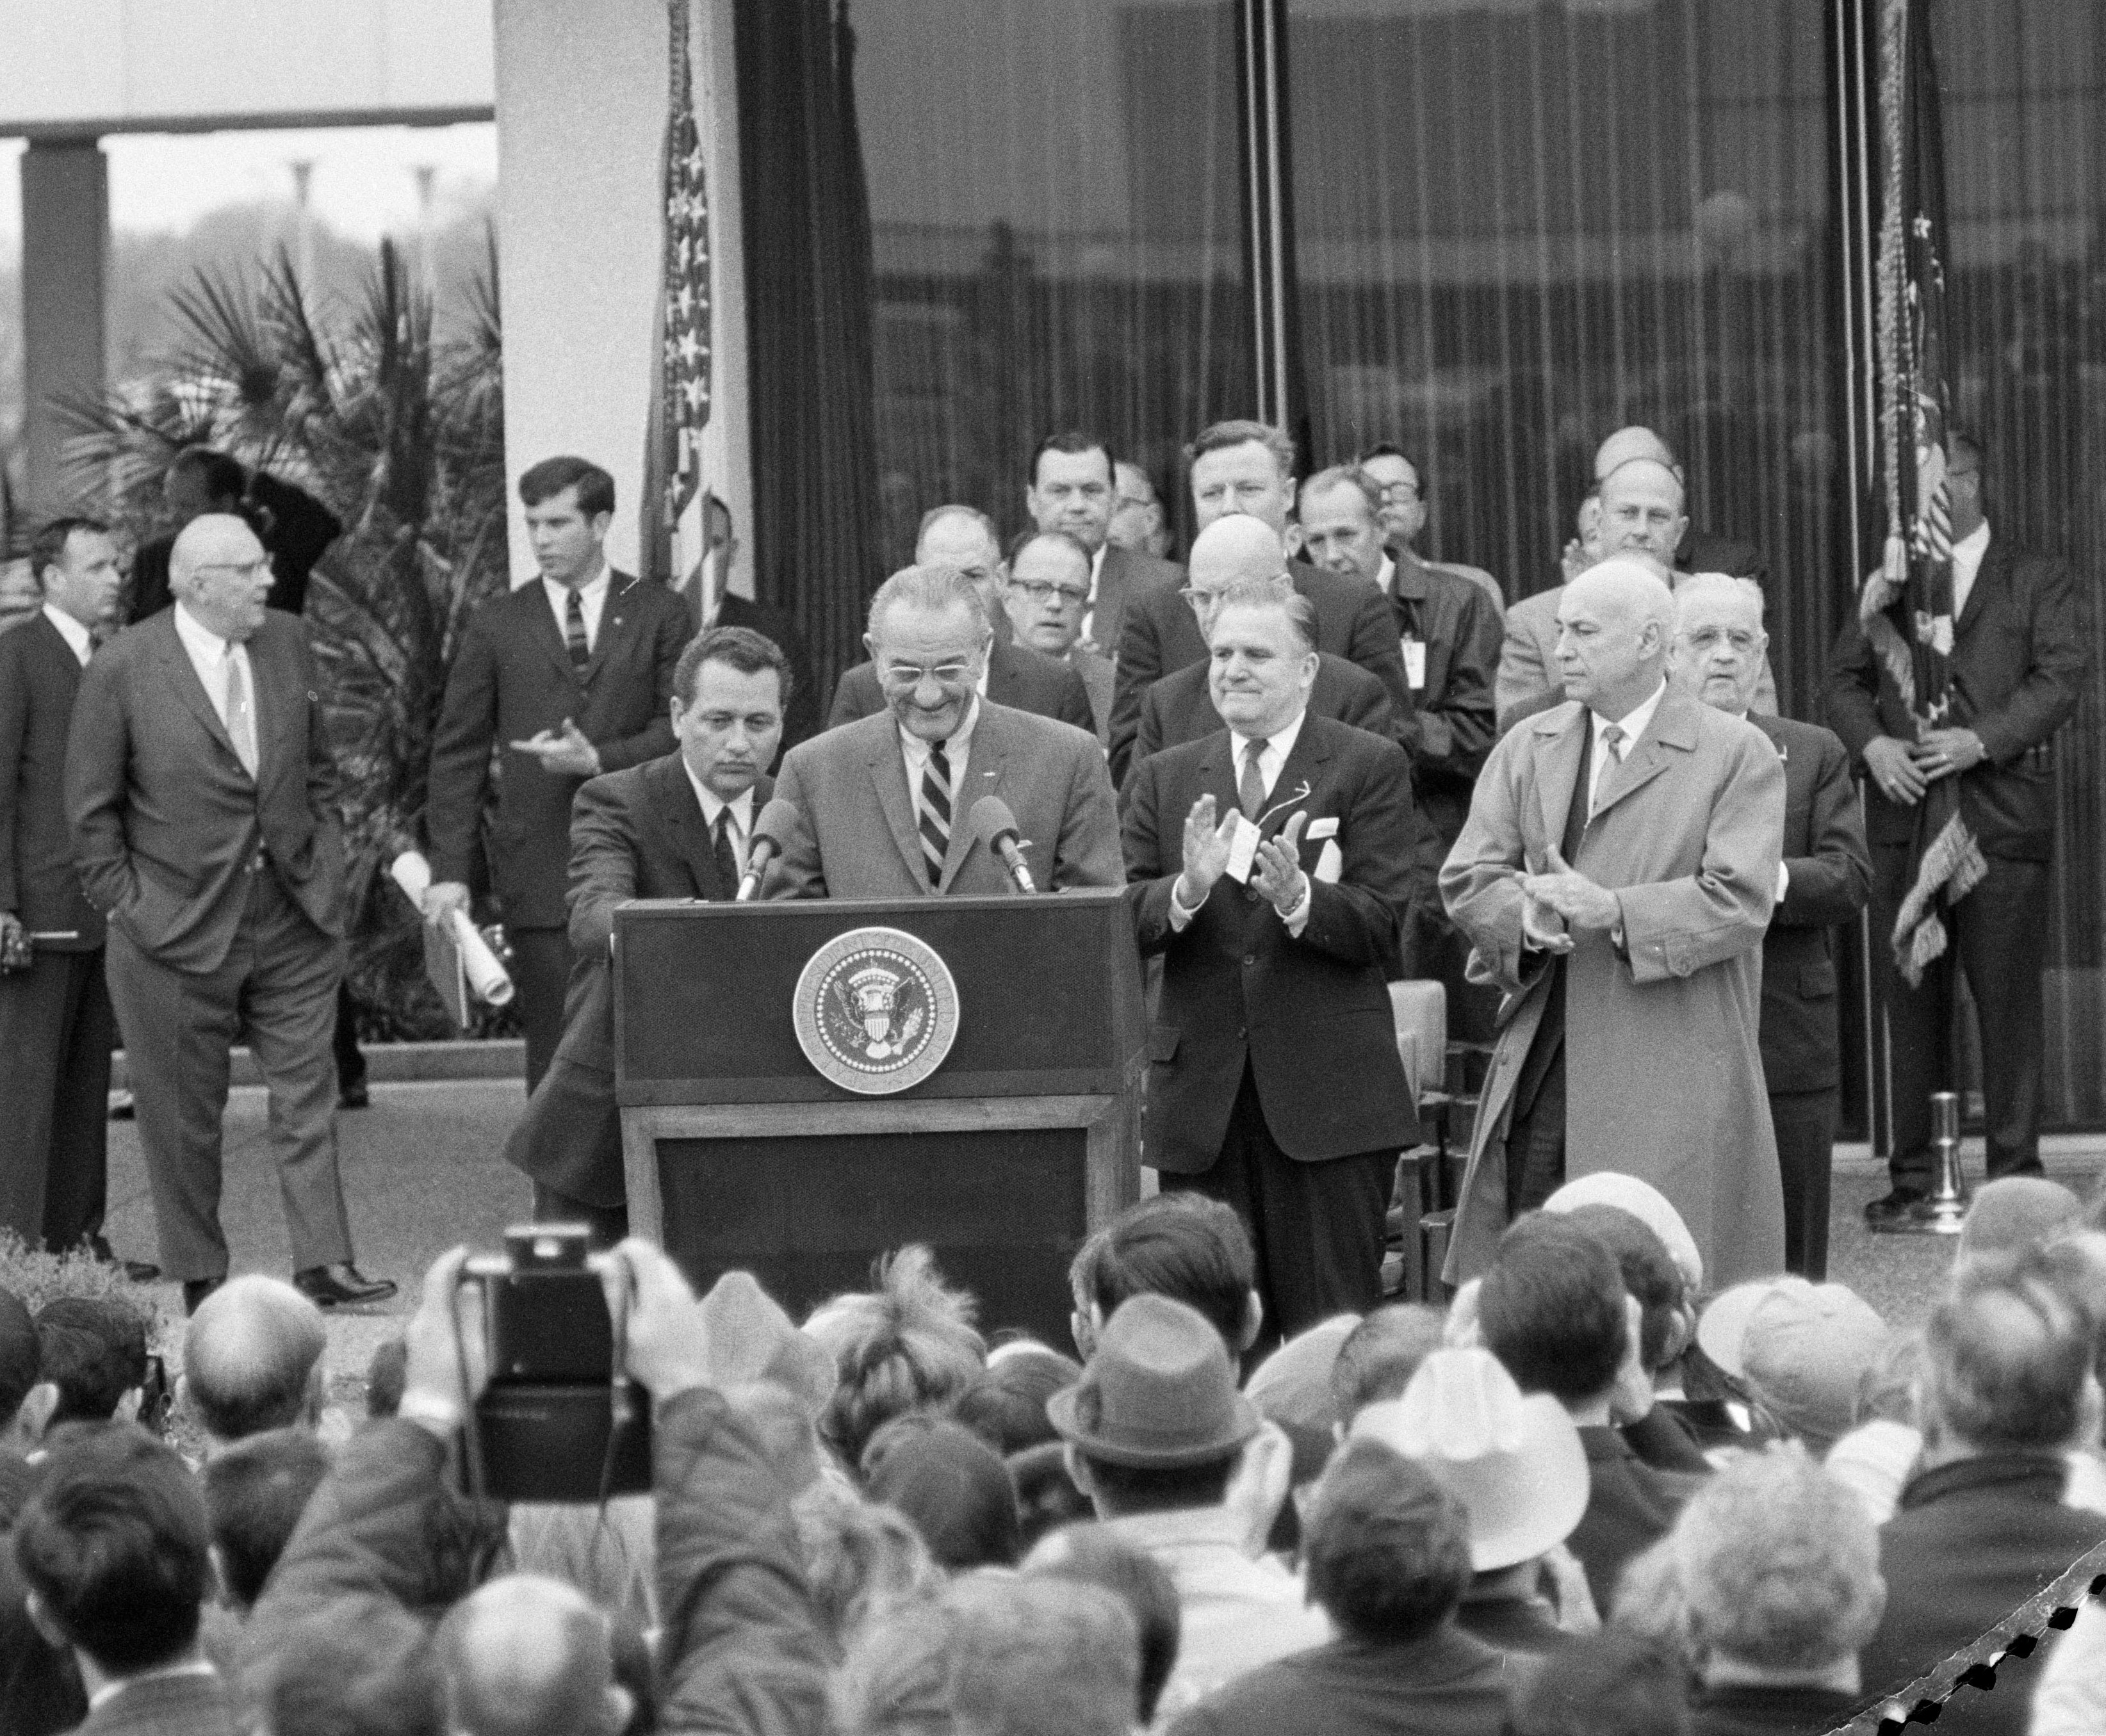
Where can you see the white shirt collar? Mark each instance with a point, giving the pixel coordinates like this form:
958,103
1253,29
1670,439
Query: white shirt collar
109,1691
1973,546
78,639
956,748
1097,567
713,804
198,640
1278,746
592,598
1386,579
1633,723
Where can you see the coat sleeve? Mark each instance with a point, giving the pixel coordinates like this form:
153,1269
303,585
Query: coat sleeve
741,1642
1457,728
844,710
1148,738
98,754
1481,880
1851,694
1088,852
1374,646
2042,701
602,864
460,754
797,873
669,634
1359,918
1153,862
14,739
1521,672
1675,928
1831,884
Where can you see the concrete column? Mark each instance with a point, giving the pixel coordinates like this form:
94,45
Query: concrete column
66,249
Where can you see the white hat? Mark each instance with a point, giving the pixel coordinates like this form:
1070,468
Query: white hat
1802,1348
1646,1203
1515,1463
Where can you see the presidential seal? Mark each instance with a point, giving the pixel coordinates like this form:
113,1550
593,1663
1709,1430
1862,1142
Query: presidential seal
876,1010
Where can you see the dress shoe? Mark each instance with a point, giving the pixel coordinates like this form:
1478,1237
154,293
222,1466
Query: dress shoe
122,1107
139,1271
335,1286
1894,1206
196,1290
354,1097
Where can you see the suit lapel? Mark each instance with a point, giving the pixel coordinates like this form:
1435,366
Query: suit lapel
279,744
674,800
1001,676
182,677
533,599
614,614
1303,773
65,667
888,772
1559,750
1672,733
985,756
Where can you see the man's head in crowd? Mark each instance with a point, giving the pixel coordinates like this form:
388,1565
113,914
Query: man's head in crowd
219,572
1236,550
1156,1423
2006,1366
1403,489
92,1358
569,504
2015,1213
1074,487
950,1483
1719,641
1553,1308
859,1559
1097,1556
199,480
729,688
1965,462
908,1345
1385,1548
253,1359
76,566
1242,467
1182,1246
1667,1323
1381,1354
1341,519
1642,509
526,1656
1137,519
1804,1352
1614,624
113,1548
1262,657
964,538
1636,441
928,636
255,1490
1777,1567
1049,589
1006,1404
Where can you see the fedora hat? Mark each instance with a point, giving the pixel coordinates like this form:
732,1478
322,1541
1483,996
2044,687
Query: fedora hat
1160,1392
1515,1463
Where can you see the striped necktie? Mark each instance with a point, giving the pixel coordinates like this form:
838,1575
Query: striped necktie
935,805
574,631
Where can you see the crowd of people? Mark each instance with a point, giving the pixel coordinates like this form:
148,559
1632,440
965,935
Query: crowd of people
1593,1496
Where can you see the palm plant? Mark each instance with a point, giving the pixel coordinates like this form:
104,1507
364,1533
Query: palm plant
402,437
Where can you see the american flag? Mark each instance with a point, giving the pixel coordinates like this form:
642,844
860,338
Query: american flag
685,313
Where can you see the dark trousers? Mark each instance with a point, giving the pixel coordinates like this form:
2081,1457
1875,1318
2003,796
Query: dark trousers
56,1032
541,967
277,987
1997,934
1535,1138
1805,1123
608,1224
569,1140
350,1063
1317,1227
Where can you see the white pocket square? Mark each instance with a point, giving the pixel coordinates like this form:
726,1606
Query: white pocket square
1329,863
1325,828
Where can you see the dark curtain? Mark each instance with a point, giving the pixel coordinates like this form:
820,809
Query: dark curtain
808,288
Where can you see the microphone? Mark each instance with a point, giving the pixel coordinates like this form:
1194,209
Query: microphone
992,821
778,820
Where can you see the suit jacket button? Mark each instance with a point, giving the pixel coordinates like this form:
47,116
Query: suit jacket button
1250,958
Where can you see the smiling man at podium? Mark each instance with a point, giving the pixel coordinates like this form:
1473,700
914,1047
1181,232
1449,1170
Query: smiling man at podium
885,804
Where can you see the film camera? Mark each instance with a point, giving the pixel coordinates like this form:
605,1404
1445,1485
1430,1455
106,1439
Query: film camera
561,1421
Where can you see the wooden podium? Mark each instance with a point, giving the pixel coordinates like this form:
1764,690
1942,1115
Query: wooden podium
741,1153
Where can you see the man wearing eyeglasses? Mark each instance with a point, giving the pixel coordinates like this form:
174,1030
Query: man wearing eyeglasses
1047,595
200,788
884,803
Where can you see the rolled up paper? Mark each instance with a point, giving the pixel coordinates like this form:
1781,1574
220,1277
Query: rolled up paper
413,874
486,975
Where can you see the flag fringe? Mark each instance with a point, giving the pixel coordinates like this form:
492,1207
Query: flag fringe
1952,866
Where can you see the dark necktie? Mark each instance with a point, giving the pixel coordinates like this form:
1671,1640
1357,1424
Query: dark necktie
1250,791
574,631
936,811
725,851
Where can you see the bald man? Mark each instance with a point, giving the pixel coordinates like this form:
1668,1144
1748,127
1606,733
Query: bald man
200,787
1615,877
253,1361
529,1656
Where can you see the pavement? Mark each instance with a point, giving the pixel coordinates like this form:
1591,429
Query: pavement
422,1173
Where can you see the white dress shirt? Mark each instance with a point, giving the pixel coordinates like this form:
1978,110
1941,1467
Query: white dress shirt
1270,761
713,804
210,656
591,599
1386,579
1966,562
76,636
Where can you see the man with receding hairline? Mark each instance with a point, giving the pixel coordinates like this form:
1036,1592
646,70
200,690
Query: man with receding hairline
1615,877
253,1361
529,1656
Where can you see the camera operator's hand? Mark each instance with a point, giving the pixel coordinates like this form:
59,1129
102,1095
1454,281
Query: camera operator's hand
447,1365
668,1349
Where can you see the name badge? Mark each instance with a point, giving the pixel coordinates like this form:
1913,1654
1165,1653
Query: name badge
1415,661
1242,848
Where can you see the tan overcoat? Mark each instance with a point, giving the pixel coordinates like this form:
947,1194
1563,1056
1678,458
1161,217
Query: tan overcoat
1664,1079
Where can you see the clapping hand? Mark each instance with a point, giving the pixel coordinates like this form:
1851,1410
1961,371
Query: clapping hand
1574,897
566,753
1205,852
1277,875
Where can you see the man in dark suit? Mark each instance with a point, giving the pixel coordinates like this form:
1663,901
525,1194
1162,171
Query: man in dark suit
678,827
569,676
884,803
1268,864
714,604
1044,601
1074,487
200,787
57,1029
1823,880
2018,668
1247,467
963,538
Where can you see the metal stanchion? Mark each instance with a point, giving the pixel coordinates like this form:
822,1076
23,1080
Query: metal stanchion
1942,1211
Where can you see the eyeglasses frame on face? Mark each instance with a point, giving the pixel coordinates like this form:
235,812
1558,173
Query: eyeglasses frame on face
895,675
1040,592
262,564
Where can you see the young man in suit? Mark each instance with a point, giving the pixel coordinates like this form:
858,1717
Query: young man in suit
884,804
2017,667
678,827
57,1028
1075,486
569,676
201,785
1248,467
1823,880
963,537
1269,865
